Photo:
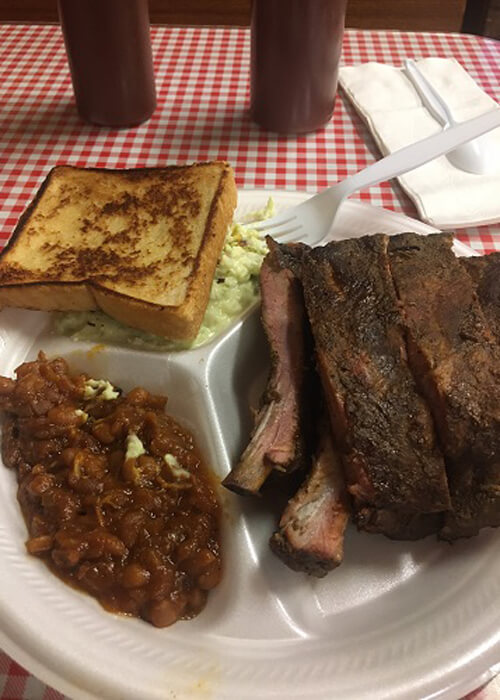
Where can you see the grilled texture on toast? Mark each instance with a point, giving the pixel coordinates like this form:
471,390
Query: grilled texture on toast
141,244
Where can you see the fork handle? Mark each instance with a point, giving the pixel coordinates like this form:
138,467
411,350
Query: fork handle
415,155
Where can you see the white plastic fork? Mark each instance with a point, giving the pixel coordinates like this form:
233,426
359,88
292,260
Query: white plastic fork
312,220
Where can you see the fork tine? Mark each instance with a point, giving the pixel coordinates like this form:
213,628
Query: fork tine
291,237
288,233
283,229
273,223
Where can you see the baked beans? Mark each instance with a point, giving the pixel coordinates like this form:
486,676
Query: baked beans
114,493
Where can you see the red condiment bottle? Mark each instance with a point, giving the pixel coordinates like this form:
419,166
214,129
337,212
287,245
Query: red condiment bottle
295,54
109,53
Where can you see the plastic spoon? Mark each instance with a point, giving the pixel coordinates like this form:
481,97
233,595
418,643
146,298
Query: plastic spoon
473,156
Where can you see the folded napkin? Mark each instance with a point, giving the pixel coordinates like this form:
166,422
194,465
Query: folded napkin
445,196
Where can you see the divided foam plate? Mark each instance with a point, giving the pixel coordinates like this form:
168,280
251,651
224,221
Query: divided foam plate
409,619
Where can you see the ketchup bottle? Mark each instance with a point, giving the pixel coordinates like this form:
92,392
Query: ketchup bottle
295,54
109,53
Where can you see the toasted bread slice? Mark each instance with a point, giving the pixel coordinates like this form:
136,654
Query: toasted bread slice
141,245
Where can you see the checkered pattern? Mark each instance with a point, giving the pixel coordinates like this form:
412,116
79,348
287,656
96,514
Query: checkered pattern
18,684
202,80
202,86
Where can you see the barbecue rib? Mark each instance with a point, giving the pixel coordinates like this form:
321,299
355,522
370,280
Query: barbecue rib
485,273
380,422
278,439
398,523
456,362
310,537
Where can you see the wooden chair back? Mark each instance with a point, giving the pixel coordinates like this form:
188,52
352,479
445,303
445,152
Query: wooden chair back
411,15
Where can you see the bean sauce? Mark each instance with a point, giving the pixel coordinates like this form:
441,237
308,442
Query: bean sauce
114,492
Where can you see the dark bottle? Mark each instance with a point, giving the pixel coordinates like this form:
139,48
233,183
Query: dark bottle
109,53
295,54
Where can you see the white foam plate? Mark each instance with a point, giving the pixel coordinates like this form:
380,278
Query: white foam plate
396,620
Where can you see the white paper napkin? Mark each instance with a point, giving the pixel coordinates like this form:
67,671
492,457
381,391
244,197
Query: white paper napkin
445,196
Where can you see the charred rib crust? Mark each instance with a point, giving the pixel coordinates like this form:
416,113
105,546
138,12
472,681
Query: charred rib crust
456,362
380,422
485,273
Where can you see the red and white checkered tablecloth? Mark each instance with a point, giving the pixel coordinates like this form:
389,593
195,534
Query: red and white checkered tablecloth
202,86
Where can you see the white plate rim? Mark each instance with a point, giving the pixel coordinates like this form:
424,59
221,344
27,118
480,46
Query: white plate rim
48,676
